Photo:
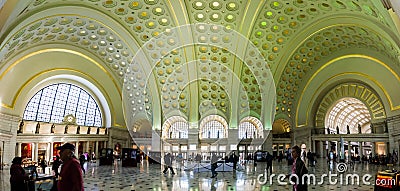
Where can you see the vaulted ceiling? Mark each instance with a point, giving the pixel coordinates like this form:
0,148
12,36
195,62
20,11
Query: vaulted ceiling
232,64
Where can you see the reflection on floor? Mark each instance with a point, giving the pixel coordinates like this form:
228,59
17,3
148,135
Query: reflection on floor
150,177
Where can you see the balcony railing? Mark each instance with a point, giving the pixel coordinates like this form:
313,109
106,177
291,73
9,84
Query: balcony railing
283,135
141,135
319,131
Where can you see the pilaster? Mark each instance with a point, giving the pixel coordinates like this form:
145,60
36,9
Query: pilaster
8,136
302,135
393,125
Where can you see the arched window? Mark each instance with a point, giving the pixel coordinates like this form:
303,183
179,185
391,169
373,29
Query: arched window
52,103
247,130
214,127
178,130
250,127
348,112
175,127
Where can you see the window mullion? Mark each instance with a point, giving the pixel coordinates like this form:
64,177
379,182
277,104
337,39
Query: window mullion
86,113
77,103
65,107
40,99
54,101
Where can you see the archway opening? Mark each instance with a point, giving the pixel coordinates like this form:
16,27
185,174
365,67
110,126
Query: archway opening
348,116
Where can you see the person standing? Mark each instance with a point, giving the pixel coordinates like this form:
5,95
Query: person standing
54,167
18,176
310,158
298,170
269,163
93,157
70,177
198,158
43,165
234,159
168,163
280,156
214,160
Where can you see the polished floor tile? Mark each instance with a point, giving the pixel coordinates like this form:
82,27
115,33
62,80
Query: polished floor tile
150,177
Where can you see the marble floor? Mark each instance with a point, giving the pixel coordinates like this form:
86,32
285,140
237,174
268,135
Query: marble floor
150,177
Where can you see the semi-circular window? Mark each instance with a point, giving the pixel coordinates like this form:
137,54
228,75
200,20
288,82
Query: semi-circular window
52,103
213,126
178,130
348,112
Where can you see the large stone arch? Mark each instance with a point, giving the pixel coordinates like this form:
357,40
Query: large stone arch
351,68
362,92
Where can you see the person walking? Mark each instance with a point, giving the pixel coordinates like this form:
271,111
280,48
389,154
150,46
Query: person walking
214,160
299,169
18,176
82,162
168,163
70,177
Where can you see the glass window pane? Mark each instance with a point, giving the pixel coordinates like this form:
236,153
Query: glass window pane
54,102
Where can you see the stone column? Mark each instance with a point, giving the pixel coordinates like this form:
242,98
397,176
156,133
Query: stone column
19,152
156,142
268,140
360,150
350,148
96,150
77,149
87,147
394,133
8,127
313,147
373,149
48,152
51,150
36,151
388,147
337,147
321,149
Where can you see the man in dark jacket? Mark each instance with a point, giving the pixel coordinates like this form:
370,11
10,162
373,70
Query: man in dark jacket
269,163
168,163
298,170
214,160
234,159
70,177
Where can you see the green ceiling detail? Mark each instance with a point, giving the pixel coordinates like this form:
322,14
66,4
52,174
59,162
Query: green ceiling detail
276,25
251,96
313,53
